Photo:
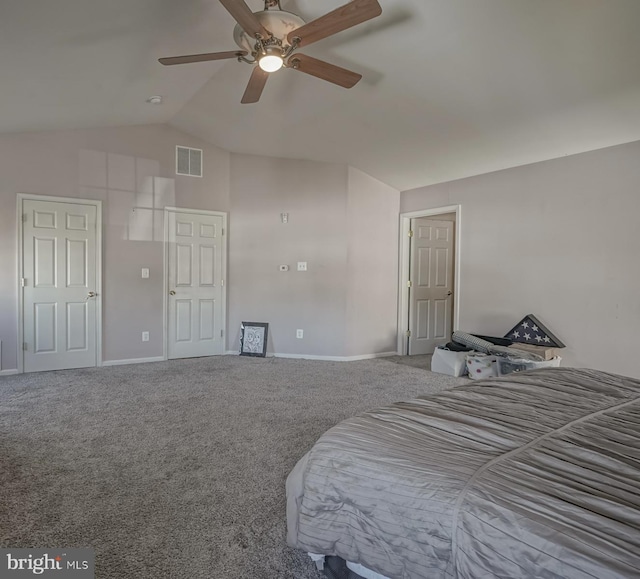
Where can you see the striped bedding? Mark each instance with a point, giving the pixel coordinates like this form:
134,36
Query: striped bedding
535,474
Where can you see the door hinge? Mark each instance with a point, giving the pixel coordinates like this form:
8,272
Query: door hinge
24,218
410,232
23,281
222,333
24,346
222,231
222,283
408,333
409,283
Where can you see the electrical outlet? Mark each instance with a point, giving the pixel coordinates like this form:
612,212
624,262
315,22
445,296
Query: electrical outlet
284,268
145,336
299,334
302,266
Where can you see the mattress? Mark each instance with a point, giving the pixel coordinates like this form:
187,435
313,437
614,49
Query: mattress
535,474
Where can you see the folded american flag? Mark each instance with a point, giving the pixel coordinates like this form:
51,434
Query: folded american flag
530,331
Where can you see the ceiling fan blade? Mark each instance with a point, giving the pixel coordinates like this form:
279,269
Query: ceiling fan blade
201,57
351,14
324,70
245,18
255,87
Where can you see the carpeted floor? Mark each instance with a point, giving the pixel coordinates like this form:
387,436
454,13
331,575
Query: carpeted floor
176,469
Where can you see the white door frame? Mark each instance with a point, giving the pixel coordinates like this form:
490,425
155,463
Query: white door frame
403,294
21,198
165,284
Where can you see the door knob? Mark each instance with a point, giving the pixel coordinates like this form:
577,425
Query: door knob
449,293
91,295
172,293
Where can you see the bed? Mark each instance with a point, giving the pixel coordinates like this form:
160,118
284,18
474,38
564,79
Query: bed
536,474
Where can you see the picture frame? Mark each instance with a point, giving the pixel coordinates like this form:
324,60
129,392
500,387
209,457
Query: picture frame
253,339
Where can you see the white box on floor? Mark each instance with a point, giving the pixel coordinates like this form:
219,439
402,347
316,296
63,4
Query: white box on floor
449,362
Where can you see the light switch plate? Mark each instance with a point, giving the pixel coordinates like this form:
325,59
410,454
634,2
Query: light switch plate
145,272
302,266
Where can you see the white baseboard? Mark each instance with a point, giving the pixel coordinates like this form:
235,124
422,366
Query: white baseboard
335,358
132,361
325,358
9,372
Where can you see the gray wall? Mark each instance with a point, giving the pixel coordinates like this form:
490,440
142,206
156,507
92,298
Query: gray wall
558,239
344,224
314,196
372,265
132,170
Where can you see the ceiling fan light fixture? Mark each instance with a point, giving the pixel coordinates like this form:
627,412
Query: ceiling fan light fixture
271,36
271,62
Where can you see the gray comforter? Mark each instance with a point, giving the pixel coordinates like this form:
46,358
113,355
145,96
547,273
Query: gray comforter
532,475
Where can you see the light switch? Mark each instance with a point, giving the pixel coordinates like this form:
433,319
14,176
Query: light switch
145,272
284,268
302,266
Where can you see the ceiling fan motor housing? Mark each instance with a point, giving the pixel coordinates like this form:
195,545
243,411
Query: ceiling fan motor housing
278,22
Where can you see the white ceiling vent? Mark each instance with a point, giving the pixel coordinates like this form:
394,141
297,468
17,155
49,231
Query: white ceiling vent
188,161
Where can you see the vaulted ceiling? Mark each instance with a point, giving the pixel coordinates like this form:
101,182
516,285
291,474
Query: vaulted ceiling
451,88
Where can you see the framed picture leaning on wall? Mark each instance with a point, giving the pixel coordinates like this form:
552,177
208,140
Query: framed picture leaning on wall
253,339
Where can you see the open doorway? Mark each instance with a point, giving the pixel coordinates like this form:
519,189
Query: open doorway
429,283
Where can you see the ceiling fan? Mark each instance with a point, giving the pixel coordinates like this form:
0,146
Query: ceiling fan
271,38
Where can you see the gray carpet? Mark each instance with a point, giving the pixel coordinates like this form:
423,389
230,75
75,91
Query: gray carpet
177,469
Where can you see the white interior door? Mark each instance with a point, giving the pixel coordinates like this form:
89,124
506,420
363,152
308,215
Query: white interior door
195,284
431,285
59,253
